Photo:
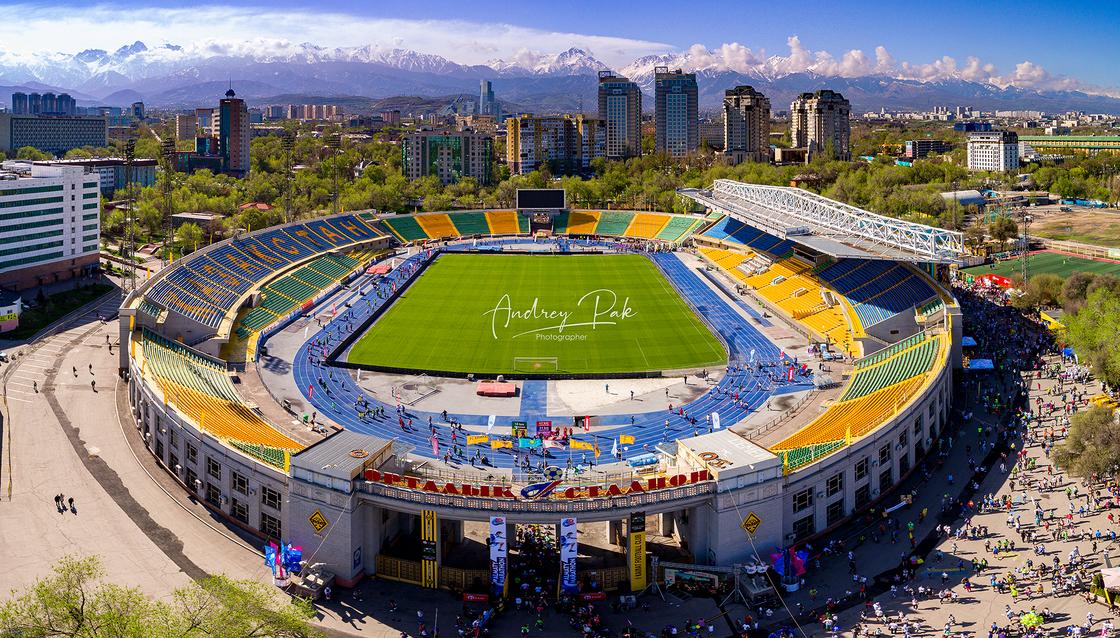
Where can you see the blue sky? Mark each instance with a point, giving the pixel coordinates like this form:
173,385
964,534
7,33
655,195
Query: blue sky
1071,41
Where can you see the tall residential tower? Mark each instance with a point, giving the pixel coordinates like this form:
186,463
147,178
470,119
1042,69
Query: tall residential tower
746,125
233,134
675,112
620,109
818,122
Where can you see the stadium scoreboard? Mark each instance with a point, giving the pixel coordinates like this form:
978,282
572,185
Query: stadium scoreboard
541,199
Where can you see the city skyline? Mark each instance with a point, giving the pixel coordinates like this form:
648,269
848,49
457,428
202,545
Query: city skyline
749,37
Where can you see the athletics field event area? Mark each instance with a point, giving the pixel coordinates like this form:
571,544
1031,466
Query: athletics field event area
1061,264
564,314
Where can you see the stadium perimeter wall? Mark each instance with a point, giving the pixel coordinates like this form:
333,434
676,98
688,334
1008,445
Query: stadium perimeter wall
795,505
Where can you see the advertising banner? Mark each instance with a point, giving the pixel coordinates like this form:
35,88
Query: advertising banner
637,551
569,549
499,551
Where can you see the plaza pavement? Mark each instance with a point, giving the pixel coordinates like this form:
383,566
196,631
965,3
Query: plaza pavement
62,437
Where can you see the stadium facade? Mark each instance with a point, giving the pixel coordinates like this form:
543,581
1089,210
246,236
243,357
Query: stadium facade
726,498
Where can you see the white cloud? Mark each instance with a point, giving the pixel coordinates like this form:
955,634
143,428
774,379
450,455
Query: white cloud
26,28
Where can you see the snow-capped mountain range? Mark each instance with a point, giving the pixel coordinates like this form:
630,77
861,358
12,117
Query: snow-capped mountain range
170,75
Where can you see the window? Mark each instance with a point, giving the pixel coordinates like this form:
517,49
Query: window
884,480
834,485
803,500
270,497
903,463
172,461
270,526
861,469
239,511
192,480
213,495
159,450
903,438
885,455
835,512
213,468
192,453
174,436
918,426
239,483
803,527
863,495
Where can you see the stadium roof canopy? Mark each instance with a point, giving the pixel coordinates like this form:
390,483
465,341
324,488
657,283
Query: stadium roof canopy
829,226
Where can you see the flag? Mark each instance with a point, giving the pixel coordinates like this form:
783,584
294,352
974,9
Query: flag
715,420
789,373
553,443
528,442
490,423
310,390
596,448
435,445
614,448
473,439
586,424
626,439
497,444
580,445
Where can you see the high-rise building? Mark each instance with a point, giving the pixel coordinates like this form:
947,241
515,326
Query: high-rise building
675,110
450,156
818,122
487,103
112,172
48,103
51,223
137,110
19,103
65,104
620,109
34,104
746,125
205,117
391,118
918,149
566,143
233,134
52,133
186,126
993,151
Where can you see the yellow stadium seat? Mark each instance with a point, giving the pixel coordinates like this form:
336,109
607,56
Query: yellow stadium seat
437,226
647,225
502,222
583,222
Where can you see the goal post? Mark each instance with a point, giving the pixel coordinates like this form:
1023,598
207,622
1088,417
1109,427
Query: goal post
536,364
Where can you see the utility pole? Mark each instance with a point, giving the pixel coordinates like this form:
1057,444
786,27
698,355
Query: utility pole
288,144
167,154
334,143
130,202
1027,219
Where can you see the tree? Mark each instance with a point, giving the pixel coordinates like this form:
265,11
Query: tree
1094,331
33,154
190,237
1002,229
1041,291
1093,444
74,601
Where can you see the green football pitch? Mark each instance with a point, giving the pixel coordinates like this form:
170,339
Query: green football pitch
1059,264
507,314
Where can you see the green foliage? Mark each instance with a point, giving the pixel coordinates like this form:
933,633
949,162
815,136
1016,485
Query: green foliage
1093,444
1043,290
1094,331
74,601
1003,229
32,153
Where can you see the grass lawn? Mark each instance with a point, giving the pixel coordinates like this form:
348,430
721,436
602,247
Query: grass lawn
1047,262
593,313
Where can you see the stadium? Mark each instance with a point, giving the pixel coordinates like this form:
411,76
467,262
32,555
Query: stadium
378,388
